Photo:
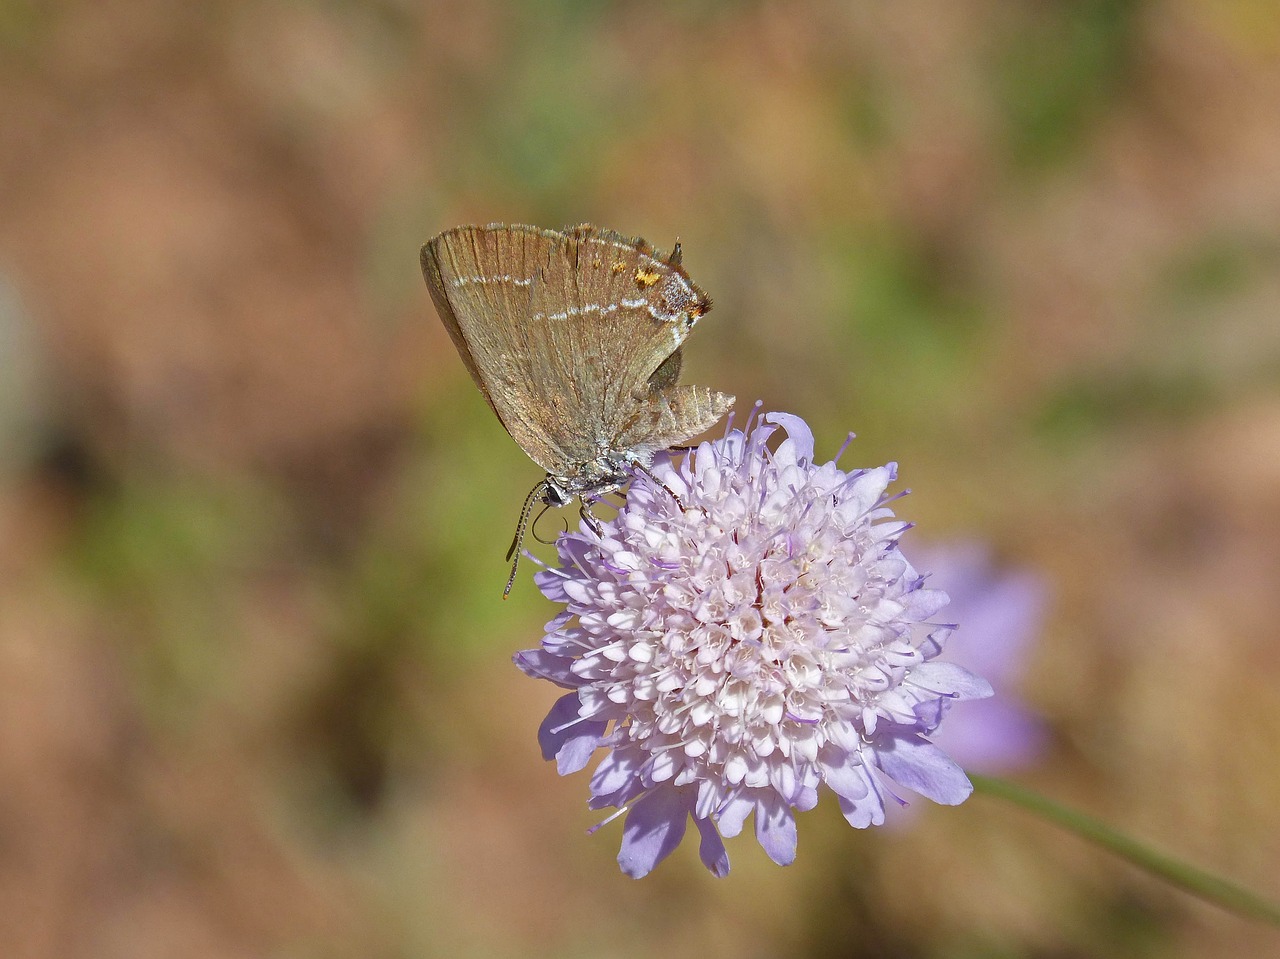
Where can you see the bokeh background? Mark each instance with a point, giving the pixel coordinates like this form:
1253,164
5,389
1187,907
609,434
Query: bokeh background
256,697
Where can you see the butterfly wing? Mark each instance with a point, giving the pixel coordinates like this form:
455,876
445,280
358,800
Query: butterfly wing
674,414
572,338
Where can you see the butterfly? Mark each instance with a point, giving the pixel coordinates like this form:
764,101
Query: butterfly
574,338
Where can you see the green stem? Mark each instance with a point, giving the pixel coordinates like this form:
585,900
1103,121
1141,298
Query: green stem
1196,881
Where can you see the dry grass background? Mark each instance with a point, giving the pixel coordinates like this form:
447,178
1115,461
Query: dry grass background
255,690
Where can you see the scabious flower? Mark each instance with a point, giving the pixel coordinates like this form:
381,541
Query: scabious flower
738,648
1000,614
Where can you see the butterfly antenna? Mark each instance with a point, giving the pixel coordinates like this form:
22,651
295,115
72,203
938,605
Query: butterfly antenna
518,539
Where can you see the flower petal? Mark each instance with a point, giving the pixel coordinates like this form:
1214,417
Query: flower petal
921,766
567,737
540,664
920,604
734,814
864,812
652,832
616,779
776,830
551,584
843,773
711,848
798,445
951,680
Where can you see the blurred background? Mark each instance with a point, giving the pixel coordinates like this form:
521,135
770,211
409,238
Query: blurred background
256,697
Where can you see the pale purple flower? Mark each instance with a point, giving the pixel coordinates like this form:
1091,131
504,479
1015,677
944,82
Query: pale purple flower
1000,615
738,649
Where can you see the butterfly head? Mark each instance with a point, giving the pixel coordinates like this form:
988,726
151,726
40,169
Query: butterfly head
607,473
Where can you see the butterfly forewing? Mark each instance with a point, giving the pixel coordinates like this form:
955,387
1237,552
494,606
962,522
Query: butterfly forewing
482,281
601,335
572,337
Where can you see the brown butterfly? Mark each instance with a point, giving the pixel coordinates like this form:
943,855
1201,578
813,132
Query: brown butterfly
574,339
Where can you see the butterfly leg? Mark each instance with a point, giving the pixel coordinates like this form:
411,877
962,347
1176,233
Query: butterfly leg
590,518
642,468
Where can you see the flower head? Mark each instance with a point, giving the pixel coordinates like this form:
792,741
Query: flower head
738,645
